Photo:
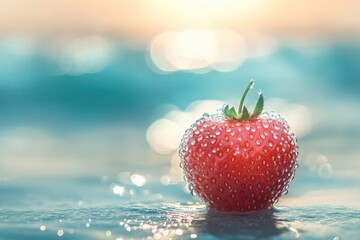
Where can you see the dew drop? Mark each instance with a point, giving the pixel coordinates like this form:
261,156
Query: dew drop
275,136
265,124
193,191
258,142
286,129
217,132
271,144
274,115
265,115
228,129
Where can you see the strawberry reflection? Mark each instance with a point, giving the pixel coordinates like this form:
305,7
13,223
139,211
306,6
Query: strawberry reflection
258,225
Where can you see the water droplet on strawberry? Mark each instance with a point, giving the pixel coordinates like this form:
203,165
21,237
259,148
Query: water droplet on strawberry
274,115
227,150
262,136
285,192
193,191
286,129
275,136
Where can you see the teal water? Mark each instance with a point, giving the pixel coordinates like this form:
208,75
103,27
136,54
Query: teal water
179,221
90,209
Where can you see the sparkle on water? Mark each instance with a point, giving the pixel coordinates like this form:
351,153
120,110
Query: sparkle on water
184,221
151,212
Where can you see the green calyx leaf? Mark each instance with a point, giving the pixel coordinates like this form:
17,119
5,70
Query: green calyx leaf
259,106
230,113
243,113
247,89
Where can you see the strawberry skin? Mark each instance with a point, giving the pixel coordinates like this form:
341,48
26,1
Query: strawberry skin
236,165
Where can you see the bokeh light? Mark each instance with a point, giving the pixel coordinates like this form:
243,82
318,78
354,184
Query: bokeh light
222,50
164,135
76,56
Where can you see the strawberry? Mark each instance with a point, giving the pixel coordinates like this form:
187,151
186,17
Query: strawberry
237,161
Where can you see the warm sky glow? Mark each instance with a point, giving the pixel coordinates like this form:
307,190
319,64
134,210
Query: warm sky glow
143,19
222,50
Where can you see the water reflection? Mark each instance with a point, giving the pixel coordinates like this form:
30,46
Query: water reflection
262,224
161,220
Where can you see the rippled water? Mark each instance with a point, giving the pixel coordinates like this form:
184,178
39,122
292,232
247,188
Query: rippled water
95,212
179,221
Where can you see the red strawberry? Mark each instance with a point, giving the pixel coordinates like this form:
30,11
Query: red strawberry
237,161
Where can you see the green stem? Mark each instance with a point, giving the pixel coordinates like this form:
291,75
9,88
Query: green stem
249,86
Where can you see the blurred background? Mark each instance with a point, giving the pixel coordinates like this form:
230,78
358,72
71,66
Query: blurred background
95,96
